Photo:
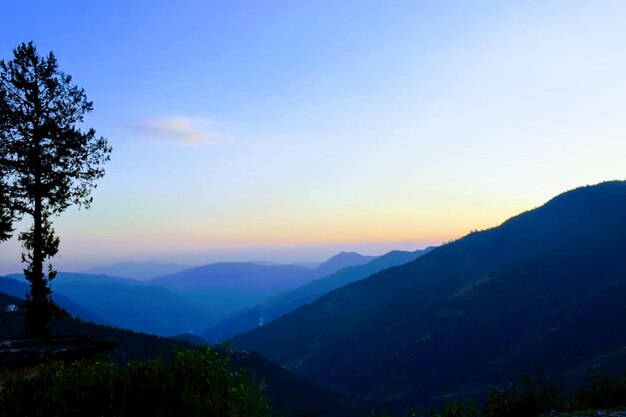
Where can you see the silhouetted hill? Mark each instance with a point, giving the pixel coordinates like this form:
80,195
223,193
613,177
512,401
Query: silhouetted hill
137,270
545,289
277,306
291,395
190,338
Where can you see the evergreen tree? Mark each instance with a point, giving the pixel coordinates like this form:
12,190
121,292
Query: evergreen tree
48,162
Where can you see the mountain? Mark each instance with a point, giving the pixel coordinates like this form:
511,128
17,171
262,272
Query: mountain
131,304
292,396
218,289
277,306
122,302
340,261
131,345
221,288
137,270
544,290
288,395
188,301
19,289
190,338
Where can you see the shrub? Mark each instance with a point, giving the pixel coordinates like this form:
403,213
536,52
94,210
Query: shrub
605,392
536,397
196,383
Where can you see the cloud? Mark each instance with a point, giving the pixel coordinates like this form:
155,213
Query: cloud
185,130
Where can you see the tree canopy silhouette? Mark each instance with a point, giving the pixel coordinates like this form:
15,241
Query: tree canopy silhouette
47,162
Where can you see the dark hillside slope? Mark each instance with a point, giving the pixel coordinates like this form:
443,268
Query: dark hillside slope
473,312
276,306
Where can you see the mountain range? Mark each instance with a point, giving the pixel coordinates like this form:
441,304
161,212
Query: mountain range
188,301
13,287
545,291
276,306
221,288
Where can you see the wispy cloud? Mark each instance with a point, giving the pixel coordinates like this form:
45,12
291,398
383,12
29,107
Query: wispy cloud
186,130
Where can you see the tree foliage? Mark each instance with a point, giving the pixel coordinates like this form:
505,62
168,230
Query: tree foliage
47,161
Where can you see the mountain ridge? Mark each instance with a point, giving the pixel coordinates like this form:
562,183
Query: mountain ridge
412,332
283,303
220,288
137,270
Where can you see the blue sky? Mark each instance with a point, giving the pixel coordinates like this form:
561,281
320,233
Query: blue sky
287,130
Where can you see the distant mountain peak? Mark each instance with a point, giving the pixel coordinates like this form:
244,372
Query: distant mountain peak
346,254
343,260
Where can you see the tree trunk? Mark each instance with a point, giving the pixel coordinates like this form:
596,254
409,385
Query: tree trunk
38,314
37,320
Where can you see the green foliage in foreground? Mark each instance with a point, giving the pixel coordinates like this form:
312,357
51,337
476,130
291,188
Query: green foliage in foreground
196,383
604,392
536,398
539,398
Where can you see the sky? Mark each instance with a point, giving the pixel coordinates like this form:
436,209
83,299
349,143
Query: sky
289,130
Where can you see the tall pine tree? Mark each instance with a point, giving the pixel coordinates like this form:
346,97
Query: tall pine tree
47,161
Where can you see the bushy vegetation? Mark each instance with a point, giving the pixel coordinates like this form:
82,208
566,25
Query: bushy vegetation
540,398
537,397
534,398
605,392
196,383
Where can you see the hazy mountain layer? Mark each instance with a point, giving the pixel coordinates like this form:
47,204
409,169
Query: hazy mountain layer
15,288
121,302
137,270
277,306
189,301
222,288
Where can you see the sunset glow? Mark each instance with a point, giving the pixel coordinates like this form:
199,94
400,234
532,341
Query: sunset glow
318,127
